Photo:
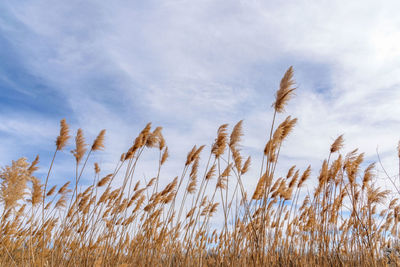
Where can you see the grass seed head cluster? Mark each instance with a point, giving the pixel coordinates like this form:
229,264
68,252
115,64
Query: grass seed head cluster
345,220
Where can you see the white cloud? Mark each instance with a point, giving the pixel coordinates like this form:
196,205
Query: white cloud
191,66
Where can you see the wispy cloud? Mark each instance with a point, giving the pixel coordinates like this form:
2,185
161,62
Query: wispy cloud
191,66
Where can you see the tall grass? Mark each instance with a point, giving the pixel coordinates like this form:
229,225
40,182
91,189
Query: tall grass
345,220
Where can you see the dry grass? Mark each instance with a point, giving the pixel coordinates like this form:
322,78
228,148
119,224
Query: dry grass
139,224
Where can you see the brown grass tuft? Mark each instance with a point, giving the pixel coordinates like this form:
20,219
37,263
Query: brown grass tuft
62,139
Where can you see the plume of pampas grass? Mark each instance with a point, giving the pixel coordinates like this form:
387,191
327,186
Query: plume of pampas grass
98,143
164,156
246,165
33,166
211,172
285,91
236,134
221,141
338,144
13,185
104,180
62,139
80,146
51,191
36,196
96,168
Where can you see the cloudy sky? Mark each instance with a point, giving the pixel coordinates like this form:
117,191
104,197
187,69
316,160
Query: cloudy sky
191,66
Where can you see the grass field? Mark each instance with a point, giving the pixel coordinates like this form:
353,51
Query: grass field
345,221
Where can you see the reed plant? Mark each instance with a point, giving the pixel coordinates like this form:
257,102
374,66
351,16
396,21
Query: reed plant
346,220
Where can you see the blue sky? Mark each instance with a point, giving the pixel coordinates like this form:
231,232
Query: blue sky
191,66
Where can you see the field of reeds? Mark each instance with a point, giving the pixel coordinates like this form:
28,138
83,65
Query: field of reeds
346,220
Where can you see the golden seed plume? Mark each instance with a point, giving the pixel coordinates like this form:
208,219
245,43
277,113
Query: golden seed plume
145,134
105,195
368,174
211,172
305,176
338,144
162,142
292,182
195,167
98,143
285,92
154,138
33,166
213,208
80,148
37,191
246,165
190,156
62,139
13,185
62,202
290,172
236,134
196,154
104,180
220,142
64,188
151,182
136,186
227,171
191,189
277,184
51,191
288,127
259,192
96,168
164,156
268,148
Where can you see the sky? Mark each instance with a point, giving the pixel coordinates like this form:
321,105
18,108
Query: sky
190,66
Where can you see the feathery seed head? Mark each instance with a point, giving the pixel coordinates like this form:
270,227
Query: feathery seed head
104,180
285,92
236,134
62,139
98,143
220,142
246,165
211,172
51,191
80,148
96,168
164,156
338,144
33,166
